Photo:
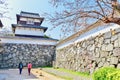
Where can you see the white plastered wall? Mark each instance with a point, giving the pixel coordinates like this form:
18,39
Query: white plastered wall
29,31
26,19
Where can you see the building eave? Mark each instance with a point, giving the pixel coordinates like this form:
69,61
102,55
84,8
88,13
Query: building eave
41,18
29,26
37,38
29,13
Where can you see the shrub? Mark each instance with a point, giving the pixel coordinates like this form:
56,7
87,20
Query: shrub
107,73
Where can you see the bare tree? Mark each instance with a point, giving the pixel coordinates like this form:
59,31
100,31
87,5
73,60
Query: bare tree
3,8
77,14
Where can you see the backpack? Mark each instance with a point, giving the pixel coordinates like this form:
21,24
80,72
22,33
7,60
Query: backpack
21,66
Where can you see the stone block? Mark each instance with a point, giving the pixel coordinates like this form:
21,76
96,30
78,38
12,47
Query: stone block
107,41
118,34
116,43
108,59
109,47
107,35
97,55
103,54
98,60
96,39
100,64
113,38
1,49
99,45
112,66
106,64
91,42
119,41
103,47
117,30
103,59
92,47
94,64
116,52
118,66
101,39
114,60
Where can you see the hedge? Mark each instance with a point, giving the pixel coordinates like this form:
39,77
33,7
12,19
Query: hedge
107,73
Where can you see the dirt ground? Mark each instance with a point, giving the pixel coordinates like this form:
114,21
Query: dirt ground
42,75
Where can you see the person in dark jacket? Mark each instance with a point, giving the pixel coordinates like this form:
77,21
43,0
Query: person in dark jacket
20,67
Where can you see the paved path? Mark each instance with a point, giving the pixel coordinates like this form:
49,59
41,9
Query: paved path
13,74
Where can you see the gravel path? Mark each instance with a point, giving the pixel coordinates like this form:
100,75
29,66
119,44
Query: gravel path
13,74
66,74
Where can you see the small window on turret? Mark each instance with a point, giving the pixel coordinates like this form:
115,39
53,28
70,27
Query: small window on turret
30,21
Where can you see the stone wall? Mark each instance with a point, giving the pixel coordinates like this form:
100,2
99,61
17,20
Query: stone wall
91,54
38,55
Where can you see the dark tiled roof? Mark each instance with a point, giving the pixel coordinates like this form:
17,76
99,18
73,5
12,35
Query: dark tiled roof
35,37
23,12
1,25
22,37
29,26
29,14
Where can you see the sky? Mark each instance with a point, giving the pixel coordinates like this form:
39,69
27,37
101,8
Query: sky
34,6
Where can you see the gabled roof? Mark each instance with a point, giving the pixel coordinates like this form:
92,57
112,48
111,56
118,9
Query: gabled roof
29,26
29,15
1,25
23,12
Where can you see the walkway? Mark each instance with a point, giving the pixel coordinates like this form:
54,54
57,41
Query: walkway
13,74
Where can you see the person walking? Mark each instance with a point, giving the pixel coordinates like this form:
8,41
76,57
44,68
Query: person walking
29,67
20,67
90,67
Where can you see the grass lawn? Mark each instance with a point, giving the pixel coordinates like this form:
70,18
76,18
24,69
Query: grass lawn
85,74
81,74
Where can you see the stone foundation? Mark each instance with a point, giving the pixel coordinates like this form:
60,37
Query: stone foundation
91,54
38,55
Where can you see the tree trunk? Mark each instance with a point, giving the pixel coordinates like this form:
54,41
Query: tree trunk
112,20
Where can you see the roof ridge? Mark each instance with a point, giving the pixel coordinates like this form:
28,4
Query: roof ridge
29,13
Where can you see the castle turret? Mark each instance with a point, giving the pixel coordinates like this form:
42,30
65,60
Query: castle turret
28,30
29,25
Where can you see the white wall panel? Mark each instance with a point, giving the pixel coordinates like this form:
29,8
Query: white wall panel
29,31
23,19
